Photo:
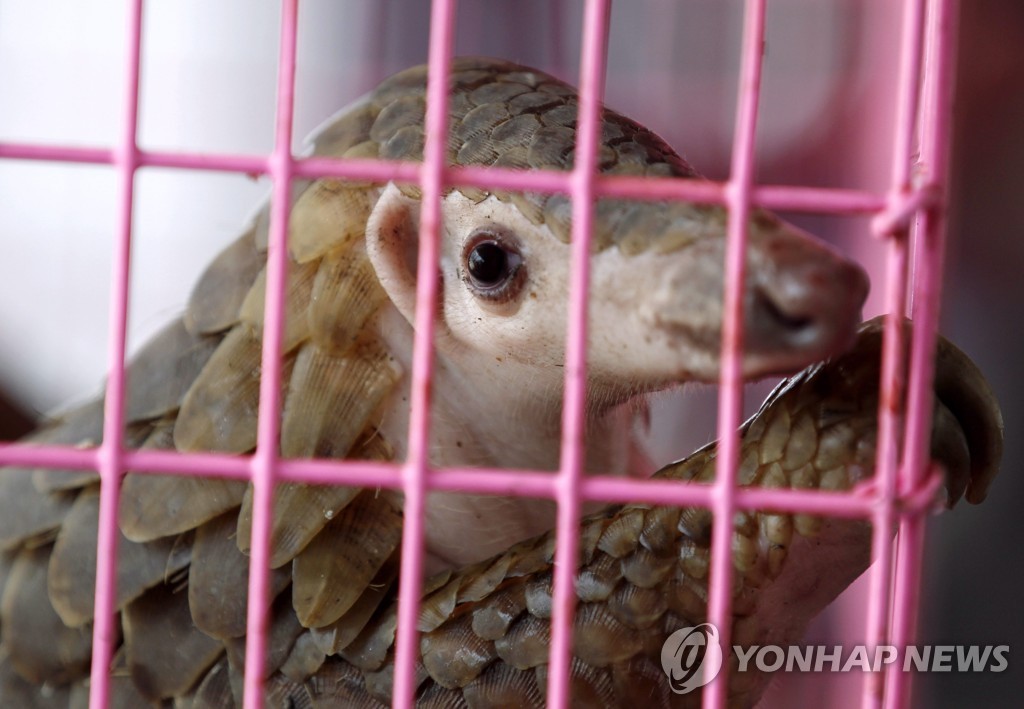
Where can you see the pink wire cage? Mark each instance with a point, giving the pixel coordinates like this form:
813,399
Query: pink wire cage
908,216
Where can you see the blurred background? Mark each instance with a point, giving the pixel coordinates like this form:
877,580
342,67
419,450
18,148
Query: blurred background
208,81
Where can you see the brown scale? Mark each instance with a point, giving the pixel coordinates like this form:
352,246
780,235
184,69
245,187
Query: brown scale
298,290
330,214
305,658
39,645
328,576
164,613
155,505
80,427
218,295
218,581
345,294
141,566
182,579
333,638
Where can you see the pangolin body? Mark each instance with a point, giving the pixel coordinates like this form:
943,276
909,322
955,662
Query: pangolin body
655,313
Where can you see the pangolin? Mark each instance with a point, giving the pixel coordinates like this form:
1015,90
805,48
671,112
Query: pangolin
655,314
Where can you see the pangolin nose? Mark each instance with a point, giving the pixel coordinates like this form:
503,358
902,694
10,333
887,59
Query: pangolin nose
811,307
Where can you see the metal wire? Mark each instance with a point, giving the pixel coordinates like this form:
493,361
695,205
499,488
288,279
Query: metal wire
923,109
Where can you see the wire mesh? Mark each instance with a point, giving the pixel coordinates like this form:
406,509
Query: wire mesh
909,217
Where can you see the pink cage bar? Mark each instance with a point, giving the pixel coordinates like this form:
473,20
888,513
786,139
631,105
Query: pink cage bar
909,217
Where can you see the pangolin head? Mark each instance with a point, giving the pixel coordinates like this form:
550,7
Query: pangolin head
657,266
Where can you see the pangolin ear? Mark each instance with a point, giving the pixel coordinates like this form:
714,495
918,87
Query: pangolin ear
392,243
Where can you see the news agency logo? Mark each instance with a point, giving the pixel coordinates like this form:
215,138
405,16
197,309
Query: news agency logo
691,657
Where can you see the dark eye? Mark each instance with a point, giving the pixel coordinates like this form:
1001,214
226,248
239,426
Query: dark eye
493,266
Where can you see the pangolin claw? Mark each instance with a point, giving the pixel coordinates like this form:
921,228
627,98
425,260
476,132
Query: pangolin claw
961,389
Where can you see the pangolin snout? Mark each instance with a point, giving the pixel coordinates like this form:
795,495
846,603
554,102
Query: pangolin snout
802,301
803,304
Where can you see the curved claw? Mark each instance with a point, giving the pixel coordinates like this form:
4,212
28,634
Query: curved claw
961,389
950,448
967,424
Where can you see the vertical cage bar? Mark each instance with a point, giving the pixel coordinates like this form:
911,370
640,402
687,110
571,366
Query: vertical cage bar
730,396
592,68
886,466
929,257
109,455
264,461
414,472
892,382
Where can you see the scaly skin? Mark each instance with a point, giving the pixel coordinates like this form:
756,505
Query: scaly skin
644,569
655,314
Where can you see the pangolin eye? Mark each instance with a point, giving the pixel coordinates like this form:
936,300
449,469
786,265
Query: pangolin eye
493,266
489,264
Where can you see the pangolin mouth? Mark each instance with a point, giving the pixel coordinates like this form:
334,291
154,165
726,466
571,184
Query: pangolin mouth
791,325
796,326
775,342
